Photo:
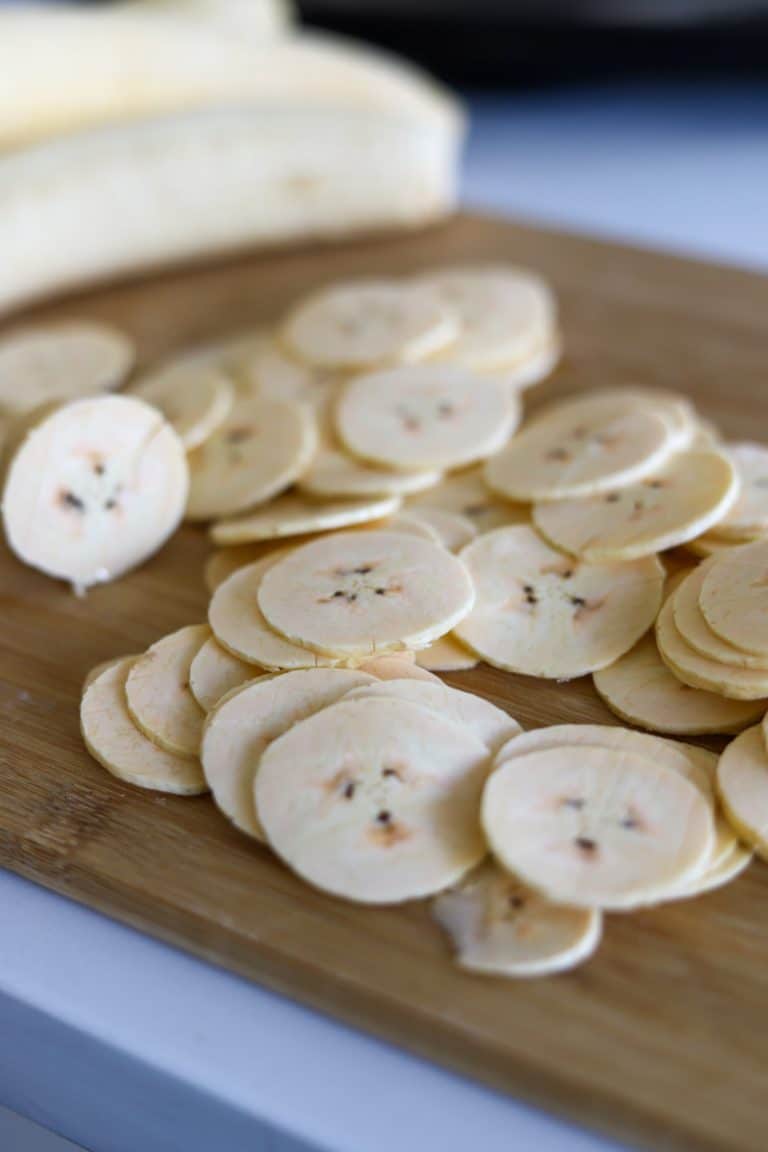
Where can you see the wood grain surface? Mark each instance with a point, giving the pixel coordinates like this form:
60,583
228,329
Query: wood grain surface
663,1038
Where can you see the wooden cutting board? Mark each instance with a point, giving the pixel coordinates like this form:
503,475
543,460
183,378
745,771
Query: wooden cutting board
663,1038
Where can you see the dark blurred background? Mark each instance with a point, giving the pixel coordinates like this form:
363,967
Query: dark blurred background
530,43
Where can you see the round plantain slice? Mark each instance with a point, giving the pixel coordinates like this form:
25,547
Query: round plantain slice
355,594
399,666
742,785
726,842
749,515
215,672
425,417
296,515
335,474
716,876
158,692
264,369
675,409
490,724
195,399
97,670
113,739
260,449
375,800
678,757
684,498
500,927
545,614
584,449
238,623
711,545
701,671
243,725
466,494
505,314
534,369
734,598
365,323
446,654
695,764
224,561
412,526
642,690
697,633
93,488
601,829
59,362
450,529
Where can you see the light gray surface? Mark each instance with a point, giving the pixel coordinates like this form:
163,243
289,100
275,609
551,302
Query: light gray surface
20,1135
127,1046
670,167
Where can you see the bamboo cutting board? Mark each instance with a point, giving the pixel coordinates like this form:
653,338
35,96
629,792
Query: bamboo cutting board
663,1038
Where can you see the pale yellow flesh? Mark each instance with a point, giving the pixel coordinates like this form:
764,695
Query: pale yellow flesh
97,670
490,724
425,417
675,409
451,529
701,671
696,632
742,784
580,453
642,690
335,473
94,488
297,515
356,594
412,526
544,614
498,926
214,672
262,448
734,598
596,827
239,625
466,494
375,800
59,362
505,314
678,757
242,727
718,876
397,667
195,399
364,324
265,369
159,696
680,501
695,764
446,654
534,369
59,74
114,740
749,515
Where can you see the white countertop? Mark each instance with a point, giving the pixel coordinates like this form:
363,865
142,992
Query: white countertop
122,1044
